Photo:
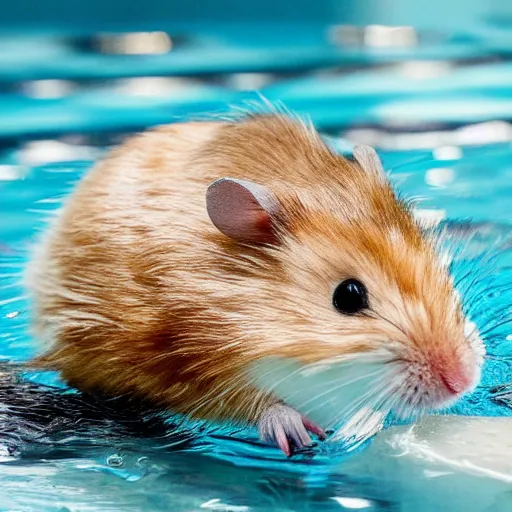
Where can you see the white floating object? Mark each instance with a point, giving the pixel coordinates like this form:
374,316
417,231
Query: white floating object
439,177
352,503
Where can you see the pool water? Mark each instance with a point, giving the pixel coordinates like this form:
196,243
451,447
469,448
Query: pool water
439,115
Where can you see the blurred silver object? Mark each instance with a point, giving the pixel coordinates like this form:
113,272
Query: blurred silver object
491,132
11,172
132,43
41,152
422,69
45,89
249,81
374,36
152,86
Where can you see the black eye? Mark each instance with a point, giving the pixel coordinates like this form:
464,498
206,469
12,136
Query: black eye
350,297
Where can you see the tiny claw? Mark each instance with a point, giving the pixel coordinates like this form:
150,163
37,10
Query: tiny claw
283,426
314,428
282,441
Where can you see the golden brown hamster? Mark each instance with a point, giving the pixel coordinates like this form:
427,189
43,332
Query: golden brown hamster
194,250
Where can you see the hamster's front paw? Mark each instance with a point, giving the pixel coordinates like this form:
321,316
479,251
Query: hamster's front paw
285,427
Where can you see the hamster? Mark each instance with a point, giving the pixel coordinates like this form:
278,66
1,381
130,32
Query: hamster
194,250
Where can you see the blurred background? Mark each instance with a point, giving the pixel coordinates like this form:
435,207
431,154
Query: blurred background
82,74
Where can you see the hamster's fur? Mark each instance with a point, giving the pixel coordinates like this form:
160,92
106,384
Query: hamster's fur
144,285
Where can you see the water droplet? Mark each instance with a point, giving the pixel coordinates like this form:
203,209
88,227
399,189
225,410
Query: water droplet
133,478
115,461
142,462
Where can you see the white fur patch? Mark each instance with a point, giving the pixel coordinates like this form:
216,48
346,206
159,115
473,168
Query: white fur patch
329,394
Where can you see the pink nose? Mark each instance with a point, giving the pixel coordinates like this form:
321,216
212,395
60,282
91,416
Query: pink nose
456,375
456,381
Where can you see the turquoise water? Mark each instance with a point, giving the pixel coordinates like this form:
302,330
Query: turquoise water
438,113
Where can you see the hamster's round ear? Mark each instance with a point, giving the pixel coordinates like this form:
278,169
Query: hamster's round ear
368,159
242,210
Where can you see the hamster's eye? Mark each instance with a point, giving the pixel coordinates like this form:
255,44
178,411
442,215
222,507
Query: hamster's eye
350,297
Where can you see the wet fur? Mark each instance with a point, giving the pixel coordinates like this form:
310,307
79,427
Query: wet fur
137,293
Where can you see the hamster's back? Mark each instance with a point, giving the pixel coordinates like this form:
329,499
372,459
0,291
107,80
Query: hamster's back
95,274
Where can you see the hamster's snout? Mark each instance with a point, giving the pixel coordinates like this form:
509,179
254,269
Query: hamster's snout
456,383
455,374
440,377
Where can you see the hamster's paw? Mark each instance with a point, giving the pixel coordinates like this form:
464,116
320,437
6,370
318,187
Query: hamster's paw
285,427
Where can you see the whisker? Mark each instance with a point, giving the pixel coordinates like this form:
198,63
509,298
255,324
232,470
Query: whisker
479,278
498,358
498,313
382,317
356,423
507,321
365,400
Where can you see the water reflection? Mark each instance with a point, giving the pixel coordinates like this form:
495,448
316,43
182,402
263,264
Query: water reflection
151,86
133,43
11,172
40,152
352,503
375,36
249,81
423,70
444,143
382,36
45,89
447,153
440,177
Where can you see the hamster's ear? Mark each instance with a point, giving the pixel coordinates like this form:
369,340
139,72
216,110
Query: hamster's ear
242,210
368,159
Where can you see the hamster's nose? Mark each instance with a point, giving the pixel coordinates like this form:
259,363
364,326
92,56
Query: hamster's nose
456,376
456,383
